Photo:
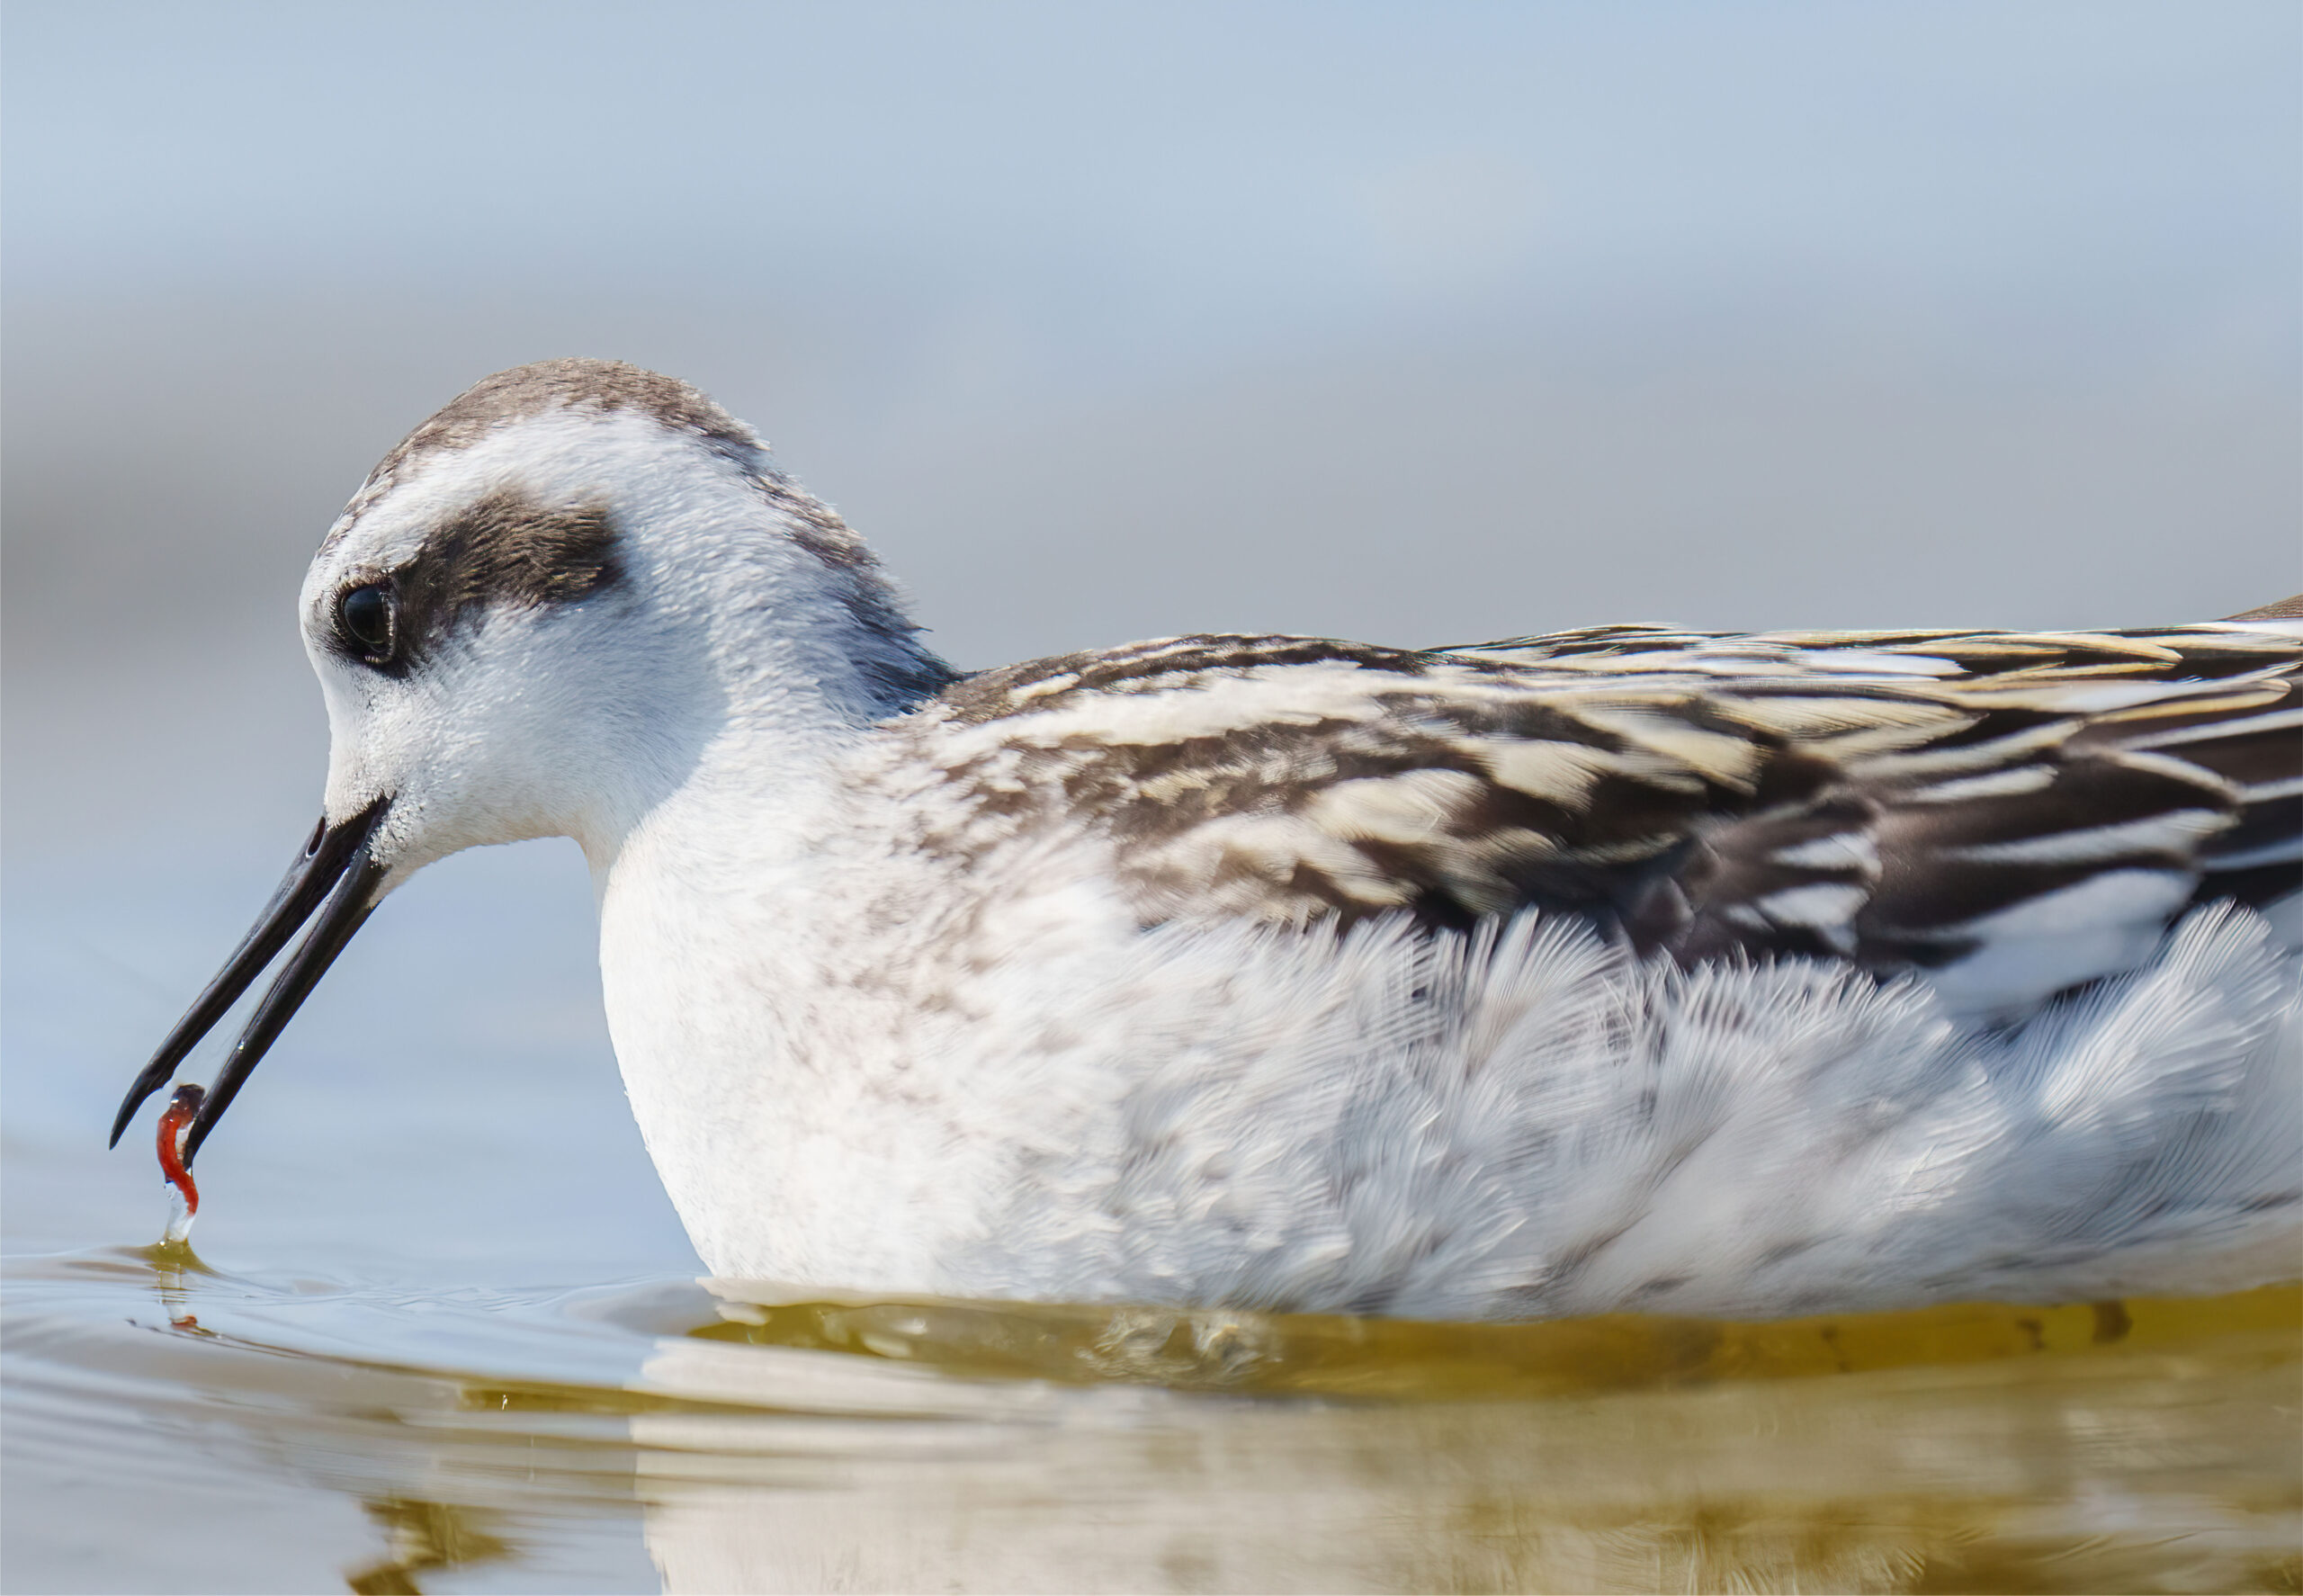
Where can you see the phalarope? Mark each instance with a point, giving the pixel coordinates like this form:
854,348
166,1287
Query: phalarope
1626,968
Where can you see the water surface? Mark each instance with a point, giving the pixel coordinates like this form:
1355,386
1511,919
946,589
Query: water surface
173,1427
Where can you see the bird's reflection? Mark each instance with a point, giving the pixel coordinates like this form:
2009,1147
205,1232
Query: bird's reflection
171,1262
877,1445
423,1536
2066,1459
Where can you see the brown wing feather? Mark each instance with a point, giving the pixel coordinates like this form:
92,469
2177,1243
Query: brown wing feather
1892,797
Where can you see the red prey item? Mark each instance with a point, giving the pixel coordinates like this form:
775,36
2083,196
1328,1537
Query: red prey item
173,1124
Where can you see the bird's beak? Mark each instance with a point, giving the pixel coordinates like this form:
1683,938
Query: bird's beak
333,875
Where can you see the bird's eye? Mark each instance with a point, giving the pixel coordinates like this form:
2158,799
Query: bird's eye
365,616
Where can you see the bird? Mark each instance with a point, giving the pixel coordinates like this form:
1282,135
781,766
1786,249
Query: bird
1624,969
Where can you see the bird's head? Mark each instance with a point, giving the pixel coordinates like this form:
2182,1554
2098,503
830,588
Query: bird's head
535,617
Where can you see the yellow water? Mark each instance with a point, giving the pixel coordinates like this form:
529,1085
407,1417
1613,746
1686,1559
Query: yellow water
1325,1355
661,1436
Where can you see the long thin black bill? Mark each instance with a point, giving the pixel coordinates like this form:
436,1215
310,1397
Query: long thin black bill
330,860
340,918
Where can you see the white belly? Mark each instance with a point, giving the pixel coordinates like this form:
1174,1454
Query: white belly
1068,1109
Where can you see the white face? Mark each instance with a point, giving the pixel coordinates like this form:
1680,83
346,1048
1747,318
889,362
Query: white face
500,647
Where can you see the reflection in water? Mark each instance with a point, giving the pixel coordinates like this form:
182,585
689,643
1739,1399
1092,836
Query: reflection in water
608,1440
2139,1446
170,1257
1267,1354
423,1536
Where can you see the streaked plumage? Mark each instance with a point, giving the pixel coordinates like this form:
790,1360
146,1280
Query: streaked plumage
1621,968
2013,813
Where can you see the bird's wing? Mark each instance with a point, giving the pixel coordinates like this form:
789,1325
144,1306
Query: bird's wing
2017,812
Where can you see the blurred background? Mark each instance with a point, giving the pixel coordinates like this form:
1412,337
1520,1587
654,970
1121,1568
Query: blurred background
1415,324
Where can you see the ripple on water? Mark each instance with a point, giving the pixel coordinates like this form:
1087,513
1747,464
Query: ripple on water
177,1427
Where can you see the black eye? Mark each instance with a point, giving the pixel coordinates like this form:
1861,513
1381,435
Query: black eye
365,614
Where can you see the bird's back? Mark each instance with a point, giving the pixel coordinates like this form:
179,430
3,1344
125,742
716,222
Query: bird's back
2014,815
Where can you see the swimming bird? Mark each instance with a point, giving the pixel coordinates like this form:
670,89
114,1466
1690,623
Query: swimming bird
1623,968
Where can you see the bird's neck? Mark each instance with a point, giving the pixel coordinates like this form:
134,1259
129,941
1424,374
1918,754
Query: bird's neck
745,692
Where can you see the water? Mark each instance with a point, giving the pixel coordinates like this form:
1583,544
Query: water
442,1333
175,1428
